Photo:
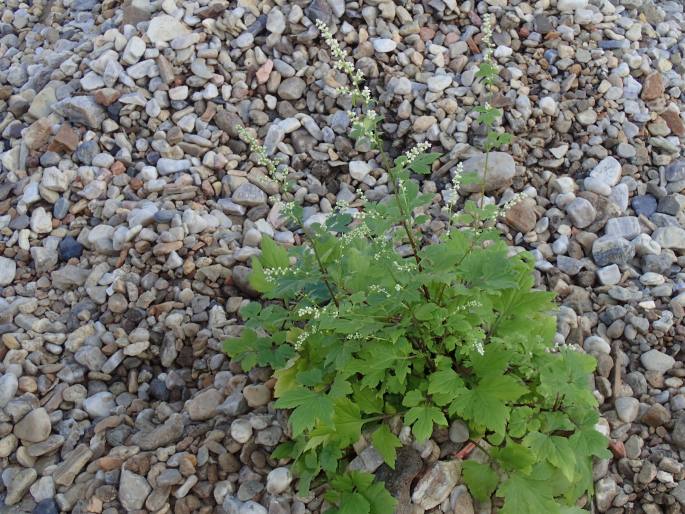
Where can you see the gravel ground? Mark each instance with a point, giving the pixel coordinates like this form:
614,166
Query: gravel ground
129,211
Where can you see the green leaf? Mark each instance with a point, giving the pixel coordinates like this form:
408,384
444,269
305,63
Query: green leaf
309,407
519,420
283,450
329,457
310,377
368,400
425,311
523,495
250,350
485,404
380,499
354,503
514,457
590,442
444,386
412,398
347,421
480,478
422,163
422,418
340,387
557,450
250,310
385,442
273,255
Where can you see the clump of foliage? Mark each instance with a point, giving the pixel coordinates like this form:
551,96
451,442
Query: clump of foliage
361,336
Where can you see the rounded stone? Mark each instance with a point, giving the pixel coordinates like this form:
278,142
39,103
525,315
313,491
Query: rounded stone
278,480
581,212
241,430
627,409
257,395
34,427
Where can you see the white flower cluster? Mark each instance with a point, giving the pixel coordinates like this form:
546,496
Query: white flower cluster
486,40
361,231
452,191
300,340
339,55
309,311
271,274
277,171
412,154
472,304
286,209
478,346
516,199
406,267
355,336
375,288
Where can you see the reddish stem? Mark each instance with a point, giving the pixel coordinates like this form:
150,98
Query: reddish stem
465,451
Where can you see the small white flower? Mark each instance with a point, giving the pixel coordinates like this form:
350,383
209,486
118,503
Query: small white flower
412,154
518,197
479,347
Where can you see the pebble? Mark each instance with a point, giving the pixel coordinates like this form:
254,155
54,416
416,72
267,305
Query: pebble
278,480
34,427
8,271
501,171
611,249
581,212
608,171
627,409
384,45
133,490
291,88
654,360
437,484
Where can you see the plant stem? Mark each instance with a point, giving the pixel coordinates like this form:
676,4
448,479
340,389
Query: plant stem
387,164
324,274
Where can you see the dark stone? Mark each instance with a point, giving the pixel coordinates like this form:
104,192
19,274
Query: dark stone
543,25
47,506
164,216
612,250
73,321
675,171
152,158
118,435
49,159
241,279
86,151
20,222
61,208
84,5
5,190
657,264
135,315
319,10
644,204
114,110
158,390
398,481
6,328
678,434
227,121
69,248
212,11
258,26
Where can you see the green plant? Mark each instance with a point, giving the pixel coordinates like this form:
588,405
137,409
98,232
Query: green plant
363,339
